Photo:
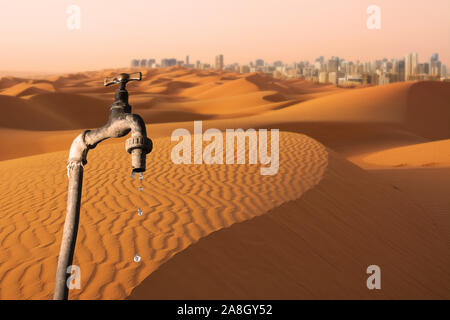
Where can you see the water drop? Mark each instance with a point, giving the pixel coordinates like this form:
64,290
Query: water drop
137,258
140,189
132,174
139,212
141,176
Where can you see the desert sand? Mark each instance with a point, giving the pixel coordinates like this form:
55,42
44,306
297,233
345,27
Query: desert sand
342,200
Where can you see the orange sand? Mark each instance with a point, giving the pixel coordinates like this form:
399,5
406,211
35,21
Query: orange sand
181,204
430,154
225,231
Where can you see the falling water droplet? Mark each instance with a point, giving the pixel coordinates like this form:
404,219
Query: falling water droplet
140,189
141,176
137,258
132,174
139,212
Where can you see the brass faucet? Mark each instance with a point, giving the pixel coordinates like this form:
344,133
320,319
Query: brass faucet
121,121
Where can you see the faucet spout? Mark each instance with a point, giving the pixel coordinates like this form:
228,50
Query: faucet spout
120,123
139,145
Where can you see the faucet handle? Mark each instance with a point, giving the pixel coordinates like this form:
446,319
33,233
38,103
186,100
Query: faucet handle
123,78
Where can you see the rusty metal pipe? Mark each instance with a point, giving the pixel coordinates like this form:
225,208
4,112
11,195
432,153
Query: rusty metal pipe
121,121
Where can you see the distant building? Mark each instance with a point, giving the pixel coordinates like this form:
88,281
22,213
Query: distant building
333,64
244,69
143,63
401,70
387,78
411,61
308,72
319,66
435,68
417,77
168,62
277,74
353,79
423,68
278,63
367,67
367,78
187,60
259,63
333,77
291,73
134,63
219,62
323,77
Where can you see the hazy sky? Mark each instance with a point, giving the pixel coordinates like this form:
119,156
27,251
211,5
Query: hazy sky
34,35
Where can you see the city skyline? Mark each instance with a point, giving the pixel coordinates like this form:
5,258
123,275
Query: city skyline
212,60
335,70
37,38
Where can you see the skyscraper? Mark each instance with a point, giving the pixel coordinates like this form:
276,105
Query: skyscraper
333,64
434,57
187,60
134,63
259,63
168,62
435,65
401,70
411,61
219,61
278,63
323,77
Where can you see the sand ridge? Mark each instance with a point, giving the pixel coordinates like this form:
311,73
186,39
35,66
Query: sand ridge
180,204
356,122
59,98
428,154
316,247
318,210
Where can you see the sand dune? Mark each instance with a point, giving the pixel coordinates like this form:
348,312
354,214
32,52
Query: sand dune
355,122
27,89
51,111
63,102
382,104
307,232
315,247
427,187
181,204
9,81
362,121
430,154
429,110
230,88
